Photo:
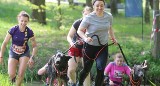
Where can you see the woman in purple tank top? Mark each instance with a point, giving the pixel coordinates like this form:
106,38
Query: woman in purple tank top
19,53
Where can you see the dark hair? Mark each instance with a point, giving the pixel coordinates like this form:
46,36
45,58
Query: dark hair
23,13
93,1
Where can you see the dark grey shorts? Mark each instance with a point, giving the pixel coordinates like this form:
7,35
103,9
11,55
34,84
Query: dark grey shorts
17,56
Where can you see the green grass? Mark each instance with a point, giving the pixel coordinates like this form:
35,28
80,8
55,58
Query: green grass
4,80
128,32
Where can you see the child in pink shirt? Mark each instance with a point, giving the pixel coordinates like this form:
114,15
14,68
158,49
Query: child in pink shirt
116,70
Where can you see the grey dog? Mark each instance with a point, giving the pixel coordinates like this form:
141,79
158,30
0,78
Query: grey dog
137,74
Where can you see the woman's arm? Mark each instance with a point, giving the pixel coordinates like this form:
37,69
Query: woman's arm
70,35
81,33
3,46
111,33
34,47
34,51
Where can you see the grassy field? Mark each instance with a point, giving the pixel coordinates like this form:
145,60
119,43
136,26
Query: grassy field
128,32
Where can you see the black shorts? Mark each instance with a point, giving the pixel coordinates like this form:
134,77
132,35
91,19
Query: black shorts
17,56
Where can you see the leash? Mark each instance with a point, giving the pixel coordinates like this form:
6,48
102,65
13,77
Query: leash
69,49
123,53
99,50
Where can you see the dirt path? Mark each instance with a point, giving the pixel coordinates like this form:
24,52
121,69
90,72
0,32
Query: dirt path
35,83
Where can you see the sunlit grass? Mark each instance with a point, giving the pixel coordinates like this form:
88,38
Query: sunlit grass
128,32
4,80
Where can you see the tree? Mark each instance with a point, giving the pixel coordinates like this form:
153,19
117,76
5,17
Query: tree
71,3
114,9
59,19
147,12
89,3
151,3
39,13
156,31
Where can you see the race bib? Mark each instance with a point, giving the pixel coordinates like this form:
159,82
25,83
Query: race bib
18,49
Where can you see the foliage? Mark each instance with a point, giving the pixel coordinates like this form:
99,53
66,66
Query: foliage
128,32
4,80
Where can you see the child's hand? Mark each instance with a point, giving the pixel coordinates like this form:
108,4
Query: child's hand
111,83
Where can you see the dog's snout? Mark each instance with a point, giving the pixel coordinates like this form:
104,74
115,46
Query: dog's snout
141,74
57,62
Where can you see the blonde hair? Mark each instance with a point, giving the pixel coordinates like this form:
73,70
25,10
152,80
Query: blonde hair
118,55
88,8
24,14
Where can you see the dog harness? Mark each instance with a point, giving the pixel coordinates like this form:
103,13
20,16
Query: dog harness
135,83
59,73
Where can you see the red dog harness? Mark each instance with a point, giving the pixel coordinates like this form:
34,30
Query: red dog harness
59,73
135,83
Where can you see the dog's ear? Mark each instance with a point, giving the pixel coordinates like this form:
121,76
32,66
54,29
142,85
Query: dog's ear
50,60
144,64
134,66
69,57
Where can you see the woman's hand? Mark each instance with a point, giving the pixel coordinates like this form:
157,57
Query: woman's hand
88,39
72,44
31,62
80,42
114,40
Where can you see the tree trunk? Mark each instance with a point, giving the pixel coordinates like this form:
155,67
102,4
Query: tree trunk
147,12
59,21
156,39
40,13
114,9
71,4
151,3
89,3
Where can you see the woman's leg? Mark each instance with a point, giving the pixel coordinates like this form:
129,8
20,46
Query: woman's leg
85,71
12,67
87,81
101,63
72,66
22,67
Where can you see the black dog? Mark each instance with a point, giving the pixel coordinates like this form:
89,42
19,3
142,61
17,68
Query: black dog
137,74
57,69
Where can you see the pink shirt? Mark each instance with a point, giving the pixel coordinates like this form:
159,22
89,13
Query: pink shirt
116,72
